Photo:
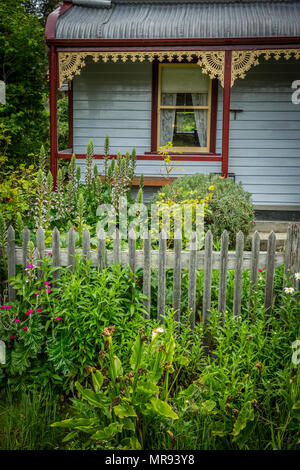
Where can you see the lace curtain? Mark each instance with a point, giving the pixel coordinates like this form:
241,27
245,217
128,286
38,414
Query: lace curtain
200,99
167,118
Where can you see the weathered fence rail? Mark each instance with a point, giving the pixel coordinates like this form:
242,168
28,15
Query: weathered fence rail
175,259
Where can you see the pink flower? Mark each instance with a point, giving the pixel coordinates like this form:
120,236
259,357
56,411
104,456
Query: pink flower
260,270
12,337
58,318
47,283
36,293
25,328
39,310
29,312
5,282
49,254
8,306
48,290
17,320
29,266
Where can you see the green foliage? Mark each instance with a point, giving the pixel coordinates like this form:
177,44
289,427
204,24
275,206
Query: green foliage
63,123
24,65
56,330
227,205
17,191
25,419
122,405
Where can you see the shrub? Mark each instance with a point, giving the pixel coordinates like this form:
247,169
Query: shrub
53,332
227,205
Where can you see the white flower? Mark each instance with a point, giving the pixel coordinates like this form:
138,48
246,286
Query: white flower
289,290
297,276
156,332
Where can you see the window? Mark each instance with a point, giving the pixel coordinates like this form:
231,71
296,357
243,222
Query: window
184,107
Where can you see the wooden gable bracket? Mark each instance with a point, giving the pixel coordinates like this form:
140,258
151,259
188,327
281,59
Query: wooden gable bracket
243,61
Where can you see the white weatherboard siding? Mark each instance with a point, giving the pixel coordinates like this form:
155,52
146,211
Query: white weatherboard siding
265,138
115,99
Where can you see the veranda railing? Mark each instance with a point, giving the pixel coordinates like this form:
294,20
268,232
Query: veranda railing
175,259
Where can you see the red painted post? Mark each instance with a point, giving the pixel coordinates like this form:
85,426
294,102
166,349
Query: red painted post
70,112
53,72
226,113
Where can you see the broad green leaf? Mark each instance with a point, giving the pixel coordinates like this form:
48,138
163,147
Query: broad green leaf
131,443
124,411
129,424
118,366
246,414
208,406
170,350
148,388
66,423
163,409
97,399
137,351
183,361
70,436
109,432
97,379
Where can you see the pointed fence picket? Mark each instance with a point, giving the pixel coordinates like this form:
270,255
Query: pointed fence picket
176,260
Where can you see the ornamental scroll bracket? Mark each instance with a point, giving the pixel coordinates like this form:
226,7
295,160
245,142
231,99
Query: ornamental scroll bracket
71,63
243,61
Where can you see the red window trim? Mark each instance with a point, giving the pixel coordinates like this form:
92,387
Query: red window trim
213,120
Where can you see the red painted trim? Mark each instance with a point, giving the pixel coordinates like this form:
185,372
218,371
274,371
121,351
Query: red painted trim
213,43
53,69
50,28
195,157
154,107
70,112
226,112
213,115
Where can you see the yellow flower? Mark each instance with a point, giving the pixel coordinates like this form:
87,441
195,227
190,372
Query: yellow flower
211,188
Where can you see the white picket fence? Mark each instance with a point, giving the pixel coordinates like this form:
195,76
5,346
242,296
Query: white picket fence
175,259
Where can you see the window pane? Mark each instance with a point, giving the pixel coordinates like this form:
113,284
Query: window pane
184,128
178,79
184,99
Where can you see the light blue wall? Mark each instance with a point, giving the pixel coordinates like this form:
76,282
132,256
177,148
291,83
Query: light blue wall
115,99
265,137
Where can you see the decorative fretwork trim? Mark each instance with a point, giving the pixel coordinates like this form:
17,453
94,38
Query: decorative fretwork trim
71,63
243,61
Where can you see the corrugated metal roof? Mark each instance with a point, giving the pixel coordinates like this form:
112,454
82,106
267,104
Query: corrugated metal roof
163,19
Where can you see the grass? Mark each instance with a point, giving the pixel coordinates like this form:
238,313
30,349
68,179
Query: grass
25,421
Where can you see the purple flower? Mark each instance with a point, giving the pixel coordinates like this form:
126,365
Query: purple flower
30,266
